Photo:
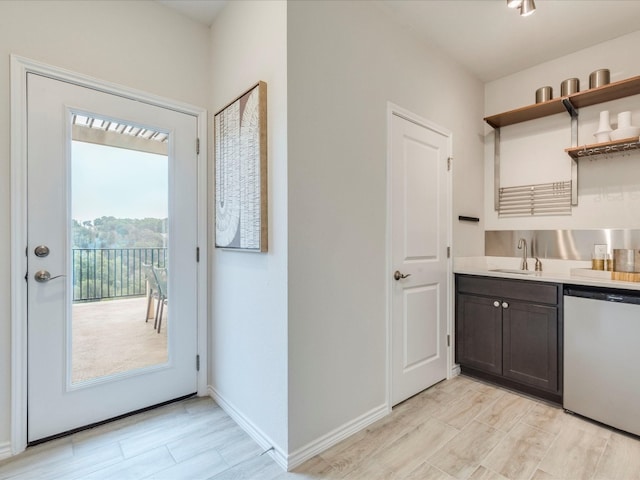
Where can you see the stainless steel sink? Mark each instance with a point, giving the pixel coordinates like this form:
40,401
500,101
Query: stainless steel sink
513,270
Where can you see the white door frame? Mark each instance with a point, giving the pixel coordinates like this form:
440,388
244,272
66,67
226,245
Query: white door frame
396,110
20,67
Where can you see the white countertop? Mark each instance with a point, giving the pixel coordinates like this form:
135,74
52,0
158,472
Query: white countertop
557,271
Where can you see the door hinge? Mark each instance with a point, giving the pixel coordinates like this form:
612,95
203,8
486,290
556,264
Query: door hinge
448,340
197,363
448,252
449,160
197,146
197,254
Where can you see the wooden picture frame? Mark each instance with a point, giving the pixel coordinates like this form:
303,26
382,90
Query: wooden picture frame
240,155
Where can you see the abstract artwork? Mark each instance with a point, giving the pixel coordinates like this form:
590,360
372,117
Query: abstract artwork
240,131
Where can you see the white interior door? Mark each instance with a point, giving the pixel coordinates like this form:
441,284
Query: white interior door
112,195
419,238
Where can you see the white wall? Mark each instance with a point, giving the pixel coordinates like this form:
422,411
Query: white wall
533,152
248,341
296,358
345,61
138,44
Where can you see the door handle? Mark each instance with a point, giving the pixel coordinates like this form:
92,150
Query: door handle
42,276
398,276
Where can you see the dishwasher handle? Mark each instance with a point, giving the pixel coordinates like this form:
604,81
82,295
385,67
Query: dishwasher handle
616,298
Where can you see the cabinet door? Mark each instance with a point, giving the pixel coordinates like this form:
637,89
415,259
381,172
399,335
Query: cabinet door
530,348
479,333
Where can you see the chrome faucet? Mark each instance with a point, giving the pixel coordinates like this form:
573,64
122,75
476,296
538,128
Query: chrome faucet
522,245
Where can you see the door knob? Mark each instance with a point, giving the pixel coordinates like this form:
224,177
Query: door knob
43,276
398,276
505,305
496,303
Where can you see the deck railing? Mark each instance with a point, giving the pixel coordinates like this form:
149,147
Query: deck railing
102,273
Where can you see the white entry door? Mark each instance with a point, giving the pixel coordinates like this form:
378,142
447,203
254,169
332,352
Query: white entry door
111,255
420,192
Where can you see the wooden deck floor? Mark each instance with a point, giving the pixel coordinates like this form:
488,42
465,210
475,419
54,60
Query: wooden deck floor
112,337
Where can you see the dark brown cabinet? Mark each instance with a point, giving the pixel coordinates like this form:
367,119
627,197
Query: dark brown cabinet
479,333
509,331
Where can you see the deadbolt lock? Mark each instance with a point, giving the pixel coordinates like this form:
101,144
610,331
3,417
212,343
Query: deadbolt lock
41,251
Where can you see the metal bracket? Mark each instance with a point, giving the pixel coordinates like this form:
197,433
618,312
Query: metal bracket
570,108
496,169
574,162
573,112
574,143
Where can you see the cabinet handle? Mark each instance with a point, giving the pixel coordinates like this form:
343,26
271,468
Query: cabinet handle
496,303
505,305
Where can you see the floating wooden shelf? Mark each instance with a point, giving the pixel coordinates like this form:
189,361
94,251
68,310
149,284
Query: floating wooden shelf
569,104
594,149
593,96
606,93
524,114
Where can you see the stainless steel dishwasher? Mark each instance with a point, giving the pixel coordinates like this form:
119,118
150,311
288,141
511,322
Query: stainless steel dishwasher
602,355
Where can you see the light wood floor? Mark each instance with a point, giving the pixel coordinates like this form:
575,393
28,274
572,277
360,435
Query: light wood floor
459,428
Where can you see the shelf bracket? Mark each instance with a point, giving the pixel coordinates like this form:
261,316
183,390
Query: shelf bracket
574,143
574,163
570,108
573,112
496,169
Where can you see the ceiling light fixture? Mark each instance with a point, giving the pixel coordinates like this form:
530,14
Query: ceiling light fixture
527,8
514,3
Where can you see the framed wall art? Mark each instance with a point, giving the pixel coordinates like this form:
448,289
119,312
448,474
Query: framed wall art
240,151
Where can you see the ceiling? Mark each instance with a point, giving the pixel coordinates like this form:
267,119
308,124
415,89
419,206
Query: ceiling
202,11
485,36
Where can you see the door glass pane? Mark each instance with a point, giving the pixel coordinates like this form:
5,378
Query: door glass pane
119,248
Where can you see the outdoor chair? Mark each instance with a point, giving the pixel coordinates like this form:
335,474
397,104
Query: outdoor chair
161,281
152,288
156,289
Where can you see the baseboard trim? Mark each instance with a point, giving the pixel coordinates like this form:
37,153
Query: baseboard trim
455,371
289,462
252,430
335,436
5,450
